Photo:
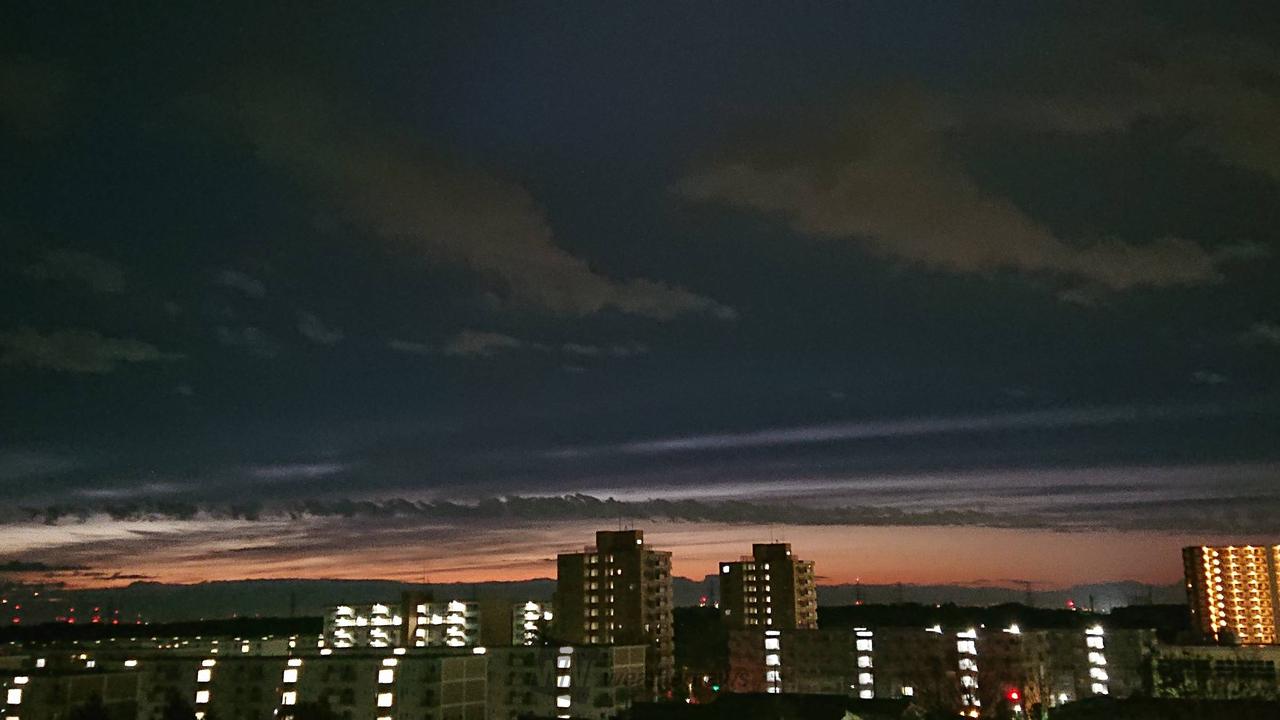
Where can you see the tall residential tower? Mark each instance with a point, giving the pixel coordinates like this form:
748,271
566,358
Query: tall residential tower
618,593
1235,590
769,589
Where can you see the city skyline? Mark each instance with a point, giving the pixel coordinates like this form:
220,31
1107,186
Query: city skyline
937,295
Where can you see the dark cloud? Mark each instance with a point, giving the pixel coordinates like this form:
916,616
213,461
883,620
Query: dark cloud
425,206
1242,514
79,268
1226,86
76,351
33,96
20,464
887,181
35,566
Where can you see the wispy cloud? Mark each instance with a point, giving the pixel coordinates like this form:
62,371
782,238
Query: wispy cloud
297,471
250,339
79,268
314,329
810,434
1262,333
410,347
76,351
242,283
479,343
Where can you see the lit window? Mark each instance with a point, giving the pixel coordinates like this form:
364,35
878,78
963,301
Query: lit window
203,675
562,701
384,699
290,675
386,676
289,698
202,697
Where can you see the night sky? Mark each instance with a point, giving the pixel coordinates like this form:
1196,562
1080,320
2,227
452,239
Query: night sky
935,293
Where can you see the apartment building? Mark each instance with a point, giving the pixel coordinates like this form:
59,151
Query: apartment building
1233,592
618,592
769,588
415,622
528,619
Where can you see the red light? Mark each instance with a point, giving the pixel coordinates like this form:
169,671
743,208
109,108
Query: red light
1013,695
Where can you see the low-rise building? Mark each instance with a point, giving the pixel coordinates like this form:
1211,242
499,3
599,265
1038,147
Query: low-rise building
355,685
1216,672
593,682
57,695
417,623
966,670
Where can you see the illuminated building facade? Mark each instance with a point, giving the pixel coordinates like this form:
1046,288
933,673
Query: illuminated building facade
417,623
618,592
966,671
769,588
1233,592
527,619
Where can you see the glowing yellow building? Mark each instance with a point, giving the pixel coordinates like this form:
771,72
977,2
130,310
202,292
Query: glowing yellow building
1234,591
